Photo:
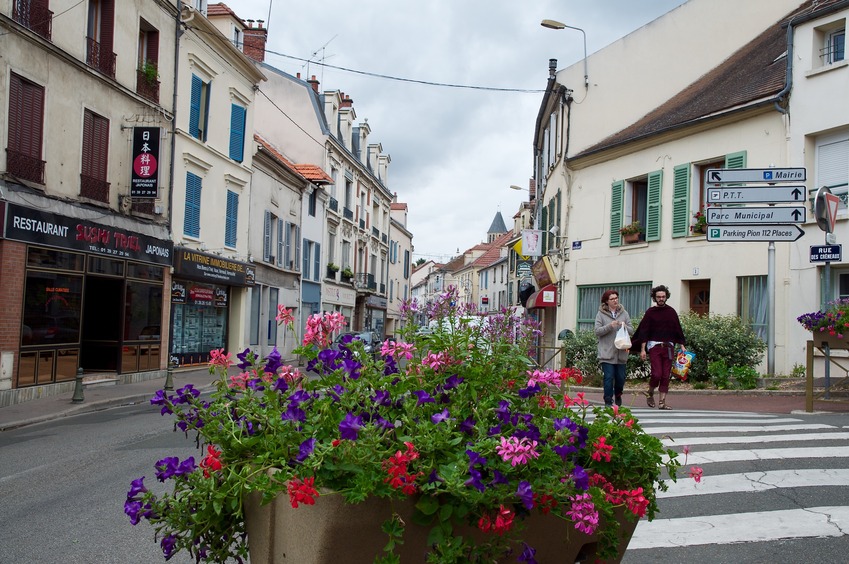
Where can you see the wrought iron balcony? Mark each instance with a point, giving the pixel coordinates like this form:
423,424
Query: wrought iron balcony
24,166
35,16
97,57
348,213
362,224
333,204
94,188
375,231
383,289
384,238
146,87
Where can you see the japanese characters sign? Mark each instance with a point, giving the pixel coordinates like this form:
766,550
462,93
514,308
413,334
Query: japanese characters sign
145,177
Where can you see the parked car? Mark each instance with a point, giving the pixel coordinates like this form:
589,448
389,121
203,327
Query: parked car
371,340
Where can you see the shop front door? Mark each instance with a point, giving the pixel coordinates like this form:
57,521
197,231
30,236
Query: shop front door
101,324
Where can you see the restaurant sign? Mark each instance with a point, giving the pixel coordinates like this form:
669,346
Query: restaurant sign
53,230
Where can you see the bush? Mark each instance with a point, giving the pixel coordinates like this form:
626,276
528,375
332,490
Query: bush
582,352
745,376
720,337
719,374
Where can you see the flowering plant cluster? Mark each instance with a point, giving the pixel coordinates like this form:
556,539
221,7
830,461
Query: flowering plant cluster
834,320
459,420
631,228
699,222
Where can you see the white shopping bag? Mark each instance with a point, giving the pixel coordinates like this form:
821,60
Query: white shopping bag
623,339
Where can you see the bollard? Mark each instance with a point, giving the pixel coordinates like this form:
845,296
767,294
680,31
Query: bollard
79,397
169,378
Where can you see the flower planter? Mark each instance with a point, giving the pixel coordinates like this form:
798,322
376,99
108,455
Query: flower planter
332,531
833,341
630,238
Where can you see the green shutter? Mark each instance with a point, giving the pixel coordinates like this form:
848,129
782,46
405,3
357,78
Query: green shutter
544,227
735,160
681,201
655,184
617,193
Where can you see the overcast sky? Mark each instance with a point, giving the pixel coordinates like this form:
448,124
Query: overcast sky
455,151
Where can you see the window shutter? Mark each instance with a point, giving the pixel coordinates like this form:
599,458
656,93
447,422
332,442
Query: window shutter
281,245
681,201
297,243
266,242
306,259
617,194
833,164
88,142
16,111
26,116
107,25
317,262
153,46
194,107
735,160
101,147
544,227
655,184
206,104
232,219
287,256
191,220
237,132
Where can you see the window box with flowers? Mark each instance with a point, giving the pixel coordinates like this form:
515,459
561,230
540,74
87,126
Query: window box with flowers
699,226
829,325
467,453
332,269
347,274
632,232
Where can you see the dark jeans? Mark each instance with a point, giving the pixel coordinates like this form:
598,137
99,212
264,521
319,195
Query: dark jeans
660,357
614,382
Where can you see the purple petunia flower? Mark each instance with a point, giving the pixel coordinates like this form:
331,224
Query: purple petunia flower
168,544
437,418
564,450
526,494
423,397
434,477
498,478
350,426
383,423
529,391
293,413
297,398
503,411
475,458
468,425
132,508
280,385
475,480
136,488
381,397
273,361
528,553
159,398
244,358
581,478
453,381
305,449
166,467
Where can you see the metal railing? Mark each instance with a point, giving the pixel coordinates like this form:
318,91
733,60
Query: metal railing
146,87
333,204
24,166
35,16
348,213
99,58
94,188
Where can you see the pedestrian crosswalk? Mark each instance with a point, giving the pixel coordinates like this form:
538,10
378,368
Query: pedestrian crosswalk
766,479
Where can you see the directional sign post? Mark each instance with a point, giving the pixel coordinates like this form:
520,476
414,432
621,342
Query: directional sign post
747,233
753,214
756,195
734,175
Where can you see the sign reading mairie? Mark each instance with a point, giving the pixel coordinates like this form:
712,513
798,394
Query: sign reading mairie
54,230
195,265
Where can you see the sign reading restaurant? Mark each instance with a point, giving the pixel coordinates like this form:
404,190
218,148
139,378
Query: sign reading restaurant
53,230
206,267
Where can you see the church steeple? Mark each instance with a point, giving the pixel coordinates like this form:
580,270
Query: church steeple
496,229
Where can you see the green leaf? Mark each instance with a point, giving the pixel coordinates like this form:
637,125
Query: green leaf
428,505
436,536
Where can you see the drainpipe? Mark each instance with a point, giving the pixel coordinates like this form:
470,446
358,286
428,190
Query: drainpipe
788,79
178,32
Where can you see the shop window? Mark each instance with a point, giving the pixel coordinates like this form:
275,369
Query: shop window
95,156
52,258
52,308
143,312
145,271
105,266
26,127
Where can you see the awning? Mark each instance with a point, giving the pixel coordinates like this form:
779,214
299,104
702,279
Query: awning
545,297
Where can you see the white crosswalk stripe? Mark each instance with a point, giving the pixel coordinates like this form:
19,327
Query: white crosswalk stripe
779,453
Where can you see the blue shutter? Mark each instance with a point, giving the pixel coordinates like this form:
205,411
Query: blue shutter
232,219
317,262
194,108
266,241
237,132
297,243
191,219
280,243
287,255
206,102
306,266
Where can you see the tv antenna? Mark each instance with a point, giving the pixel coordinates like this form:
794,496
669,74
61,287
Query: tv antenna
323,58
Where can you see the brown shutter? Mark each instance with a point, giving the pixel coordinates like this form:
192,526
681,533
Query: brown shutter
107,25
101,147
153,46
88,142
15,112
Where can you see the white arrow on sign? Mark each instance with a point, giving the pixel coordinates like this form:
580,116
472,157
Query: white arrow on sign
755,214
748,233
726,175
755,195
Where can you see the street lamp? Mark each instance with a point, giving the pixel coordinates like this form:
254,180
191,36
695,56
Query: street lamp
553,24
514,187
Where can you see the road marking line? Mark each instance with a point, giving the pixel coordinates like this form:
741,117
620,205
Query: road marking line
718,421
745,429
828,521
758,482
709,457
733,439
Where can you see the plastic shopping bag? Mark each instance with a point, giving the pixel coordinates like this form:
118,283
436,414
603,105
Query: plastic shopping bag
682,364
623,339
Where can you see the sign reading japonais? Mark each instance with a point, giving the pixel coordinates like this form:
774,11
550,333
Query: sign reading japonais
145,177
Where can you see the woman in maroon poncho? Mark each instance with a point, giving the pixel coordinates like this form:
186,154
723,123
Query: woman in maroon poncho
656,336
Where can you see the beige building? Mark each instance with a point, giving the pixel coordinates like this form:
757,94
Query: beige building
604,164
400,266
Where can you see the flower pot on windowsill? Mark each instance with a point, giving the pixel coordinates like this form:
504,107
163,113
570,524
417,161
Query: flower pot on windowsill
821,338
332,530
630,238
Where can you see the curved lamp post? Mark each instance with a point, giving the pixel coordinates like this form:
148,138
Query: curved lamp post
553,24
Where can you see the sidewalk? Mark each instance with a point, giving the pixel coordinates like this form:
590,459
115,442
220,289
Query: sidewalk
105,397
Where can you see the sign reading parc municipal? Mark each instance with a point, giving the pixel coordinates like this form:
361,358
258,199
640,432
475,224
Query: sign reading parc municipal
53,230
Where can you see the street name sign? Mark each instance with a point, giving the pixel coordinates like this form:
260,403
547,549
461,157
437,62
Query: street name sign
754,214
755,195
748,233
826,253
732,175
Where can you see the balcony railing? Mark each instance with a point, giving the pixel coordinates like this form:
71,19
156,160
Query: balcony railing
34,16
147,88
24,166
370,282
348,214
383,289
383,237
94,188
375,231
362,224
333,204
97,57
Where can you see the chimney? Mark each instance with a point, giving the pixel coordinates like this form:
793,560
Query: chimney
314,83
347,102
254,41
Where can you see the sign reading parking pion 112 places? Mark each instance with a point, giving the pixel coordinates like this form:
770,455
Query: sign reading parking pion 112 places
748,233
726,175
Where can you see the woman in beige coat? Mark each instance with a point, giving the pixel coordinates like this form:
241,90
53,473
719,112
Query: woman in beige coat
611,316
